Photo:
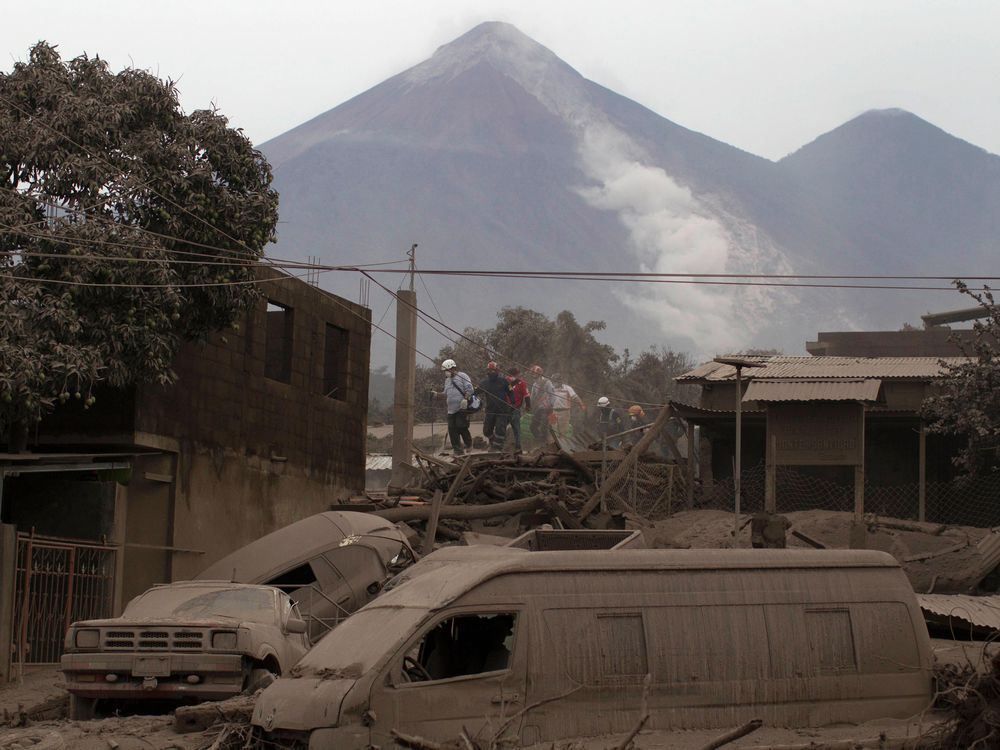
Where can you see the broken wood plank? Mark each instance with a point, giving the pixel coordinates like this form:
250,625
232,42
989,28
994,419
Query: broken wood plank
457,482
432,524
584,471
559,511
935,553
743,731
464,511
808,539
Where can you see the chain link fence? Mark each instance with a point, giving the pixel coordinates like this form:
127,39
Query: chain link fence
656,490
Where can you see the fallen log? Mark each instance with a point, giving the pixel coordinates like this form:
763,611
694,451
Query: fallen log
464,511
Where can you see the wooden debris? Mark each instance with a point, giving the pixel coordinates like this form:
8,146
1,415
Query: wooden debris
203,715
423,513
808,539
743,731
935,553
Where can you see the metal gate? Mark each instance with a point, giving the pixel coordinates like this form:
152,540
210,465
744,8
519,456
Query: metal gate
57,581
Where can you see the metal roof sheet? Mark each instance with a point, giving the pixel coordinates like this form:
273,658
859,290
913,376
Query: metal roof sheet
812,390
376,462
983,611
916,368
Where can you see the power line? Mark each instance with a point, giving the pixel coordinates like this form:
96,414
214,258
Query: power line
681,275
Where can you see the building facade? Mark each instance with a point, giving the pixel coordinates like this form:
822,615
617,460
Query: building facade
264,425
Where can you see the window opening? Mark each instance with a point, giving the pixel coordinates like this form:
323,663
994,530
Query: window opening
461,646
335,358
278,344
294,578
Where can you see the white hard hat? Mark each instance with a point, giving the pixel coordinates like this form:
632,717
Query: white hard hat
448,364
603,401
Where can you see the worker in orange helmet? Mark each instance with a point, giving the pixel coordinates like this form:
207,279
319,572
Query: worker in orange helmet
636,418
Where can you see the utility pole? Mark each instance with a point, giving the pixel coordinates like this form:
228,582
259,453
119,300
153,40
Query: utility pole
406,365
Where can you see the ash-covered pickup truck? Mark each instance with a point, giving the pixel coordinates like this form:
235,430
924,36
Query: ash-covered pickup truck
187,641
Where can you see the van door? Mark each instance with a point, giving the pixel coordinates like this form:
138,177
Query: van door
466,668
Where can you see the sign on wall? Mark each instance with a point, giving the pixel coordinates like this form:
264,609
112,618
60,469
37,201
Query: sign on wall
812,434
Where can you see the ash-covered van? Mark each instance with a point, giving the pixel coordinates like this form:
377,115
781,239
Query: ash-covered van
470,636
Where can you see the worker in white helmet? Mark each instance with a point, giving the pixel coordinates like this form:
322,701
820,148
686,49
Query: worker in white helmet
458,392
609,419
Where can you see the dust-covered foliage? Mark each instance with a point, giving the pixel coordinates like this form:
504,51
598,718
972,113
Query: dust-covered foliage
967,403
126,227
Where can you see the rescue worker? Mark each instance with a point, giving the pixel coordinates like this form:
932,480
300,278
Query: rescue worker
458,390
543,395
567,406
609,420
636,418
496,406
518,396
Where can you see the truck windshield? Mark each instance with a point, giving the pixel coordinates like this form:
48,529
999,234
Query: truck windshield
356,645
201,603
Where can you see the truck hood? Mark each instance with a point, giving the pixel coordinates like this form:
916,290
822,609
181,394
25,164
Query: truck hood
300,703
171,622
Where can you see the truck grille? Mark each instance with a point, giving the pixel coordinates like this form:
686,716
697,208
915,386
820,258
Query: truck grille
166,639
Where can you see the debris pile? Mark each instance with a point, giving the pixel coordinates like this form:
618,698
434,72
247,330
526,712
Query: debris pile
502,495
970,700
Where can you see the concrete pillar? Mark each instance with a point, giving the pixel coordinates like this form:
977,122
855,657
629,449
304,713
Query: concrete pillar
406,358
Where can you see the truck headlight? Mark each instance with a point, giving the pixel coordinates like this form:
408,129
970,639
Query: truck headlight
224,639
88,638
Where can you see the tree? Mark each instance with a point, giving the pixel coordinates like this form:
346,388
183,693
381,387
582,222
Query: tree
967,403
126,227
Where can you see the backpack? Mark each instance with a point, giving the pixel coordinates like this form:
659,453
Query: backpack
475,404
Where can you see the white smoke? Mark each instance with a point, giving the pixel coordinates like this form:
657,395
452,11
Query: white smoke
670,230
669,233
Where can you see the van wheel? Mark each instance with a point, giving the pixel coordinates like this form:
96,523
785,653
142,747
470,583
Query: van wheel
82,709
259,678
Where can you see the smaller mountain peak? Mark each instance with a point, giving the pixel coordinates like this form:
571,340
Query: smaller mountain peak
499,44
889,112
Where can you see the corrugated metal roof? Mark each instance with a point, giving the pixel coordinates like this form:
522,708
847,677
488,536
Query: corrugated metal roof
825,368
812,390
375,462
983,611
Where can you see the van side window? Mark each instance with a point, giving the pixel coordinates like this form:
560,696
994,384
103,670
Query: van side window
463,645
599,646
829,634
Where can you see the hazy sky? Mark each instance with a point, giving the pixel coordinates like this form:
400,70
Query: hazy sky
766,76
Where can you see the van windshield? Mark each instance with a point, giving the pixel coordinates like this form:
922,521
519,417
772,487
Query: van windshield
356,645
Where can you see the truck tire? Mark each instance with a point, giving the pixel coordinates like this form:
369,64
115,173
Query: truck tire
82,709
259,678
